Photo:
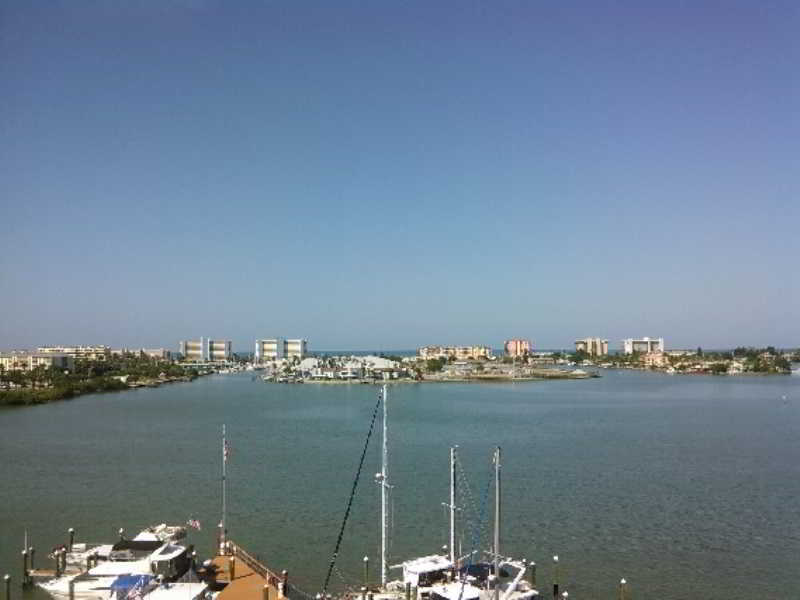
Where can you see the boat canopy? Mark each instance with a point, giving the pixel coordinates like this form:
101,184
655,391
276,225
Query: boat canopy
413,569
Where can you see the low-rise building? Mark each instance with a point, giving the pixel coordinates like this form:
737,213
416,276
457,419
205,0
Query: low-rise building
643,345
593,346
28,361
160,354
457,352
517,347
655,359
100,353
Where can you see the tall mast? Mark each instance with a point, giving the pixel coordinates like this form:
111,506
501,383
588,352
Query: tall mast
223,533
497,522
384,486
453,505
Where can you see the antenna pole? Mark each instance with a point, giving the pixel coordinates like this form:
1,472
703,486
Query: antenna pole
384,486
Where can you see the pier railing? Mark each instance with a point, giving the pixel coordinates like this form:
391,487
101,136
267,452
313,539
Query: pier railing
278,581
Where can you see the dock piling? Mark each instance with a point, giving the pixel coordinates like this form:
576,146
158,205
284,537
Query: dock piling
24,568
533,574
366,571
408,590
265,592
7,579
71,589
71,538
232,568
363,592
32,552
622,583
57,559
63,560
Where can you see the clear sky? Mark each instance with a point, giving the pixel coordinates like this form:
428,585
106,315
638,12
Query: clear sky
392,174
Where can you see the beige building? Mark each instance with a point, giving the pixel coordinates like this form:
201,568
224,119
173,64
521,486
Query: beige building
592,346
275,348
79,352
161,354
656,359
219,350
456,352
28,361
517,347
206,350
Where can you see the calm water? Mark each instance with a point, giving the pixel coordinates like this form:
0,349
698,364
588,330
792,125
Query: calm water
686,486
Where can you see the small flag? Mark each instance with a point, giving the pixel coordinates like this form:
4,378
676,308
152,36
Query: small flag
194,523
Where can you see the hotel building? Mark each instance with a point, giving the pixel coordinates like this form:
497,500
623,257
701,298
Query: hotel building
206,350
517,347
457,352
276,348
79,352
642,346
28,361
592,346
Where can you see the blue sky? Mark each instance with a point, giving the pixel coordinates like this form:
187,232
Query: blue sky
393,174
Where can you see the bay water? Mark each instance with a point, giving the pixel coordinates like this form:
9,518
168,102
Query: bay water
687,486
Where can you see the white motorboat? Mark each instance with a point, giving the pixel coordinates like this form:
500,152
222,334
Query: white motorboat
146,559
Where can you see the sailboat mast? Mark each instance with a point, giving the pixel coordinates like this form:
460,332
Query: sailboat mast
384,486
497,522
453,505
224,464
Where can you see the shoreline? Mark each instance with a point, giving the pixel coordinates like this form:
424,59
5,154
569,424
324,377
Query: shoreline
46,395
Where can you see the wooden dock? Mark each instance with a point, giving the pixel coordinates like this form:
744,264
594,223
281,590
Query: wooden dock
251,579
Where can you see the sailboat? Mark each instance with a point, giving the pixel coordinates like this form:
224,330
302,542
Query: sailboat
448,577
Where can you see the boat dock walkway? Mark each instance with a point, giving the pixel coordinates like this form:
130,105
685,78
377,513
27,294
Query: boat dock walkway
251,580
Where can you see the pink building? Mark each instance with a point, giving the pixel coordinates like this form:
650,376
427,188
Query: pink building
517,347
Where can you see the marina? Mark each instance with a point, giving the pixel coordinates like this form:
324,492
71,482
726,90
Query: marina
672,525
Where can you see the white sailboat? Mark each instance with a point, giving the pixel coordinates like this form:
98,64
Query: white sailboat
449,577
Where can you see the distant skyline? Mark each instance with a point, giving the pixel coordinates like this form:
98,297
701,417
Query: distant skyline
394,175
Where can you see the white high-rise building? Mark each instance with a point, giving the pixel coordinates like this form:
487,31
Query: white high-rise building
643,345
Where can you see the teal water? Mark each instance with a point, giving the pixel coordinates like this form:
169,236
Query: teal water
686,486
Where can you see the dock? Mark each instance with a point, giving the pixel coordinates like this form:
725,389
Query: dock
250,579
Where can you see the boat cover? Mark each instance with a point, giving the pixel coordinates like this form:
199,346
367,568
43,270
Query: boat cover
127,582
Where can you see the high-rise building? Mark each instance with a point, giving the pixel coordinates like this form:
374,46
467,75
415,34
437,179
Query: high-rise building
296,348
276,348
206,350
592,346
643,345
517,347
219,350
